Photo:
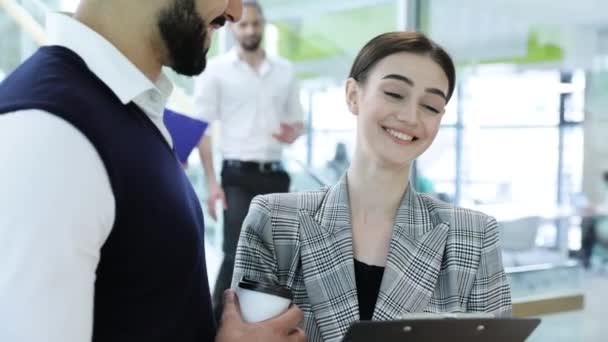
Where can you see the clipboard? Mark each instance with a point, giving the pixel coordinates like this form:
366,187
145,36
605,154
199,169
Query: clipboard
443,330
185,132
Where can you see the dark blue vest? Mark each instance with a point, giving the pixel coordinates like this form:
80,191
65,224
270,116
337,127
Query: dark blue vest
151,280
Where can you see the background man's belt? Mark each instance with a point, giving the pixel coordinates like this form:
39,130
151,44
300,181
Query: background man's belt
274,166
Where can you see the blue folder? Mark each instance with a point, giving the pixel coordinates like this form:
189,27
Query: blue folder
185,131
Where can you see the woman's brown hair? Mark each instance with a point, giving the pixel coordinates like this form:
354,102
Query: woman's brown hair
391,43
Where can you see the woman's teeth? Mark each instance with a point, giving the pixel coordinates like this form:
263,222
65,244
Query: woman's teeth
399,135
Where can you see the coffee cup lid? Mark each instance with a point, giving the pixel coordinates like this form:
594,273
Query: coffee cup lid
271,289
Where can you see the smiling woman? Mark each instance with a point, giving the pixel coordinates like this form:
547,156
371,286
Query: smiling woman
371,247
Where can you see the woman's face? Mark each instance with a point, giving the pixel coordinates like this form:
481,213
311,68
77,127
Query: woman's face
399,108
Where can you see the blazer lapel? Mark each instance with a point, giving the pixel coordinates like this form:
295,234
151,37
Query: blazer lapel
327,263
414,260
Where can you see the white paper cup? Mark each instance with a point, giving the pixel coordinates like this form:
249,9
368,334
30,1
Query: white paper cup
260,302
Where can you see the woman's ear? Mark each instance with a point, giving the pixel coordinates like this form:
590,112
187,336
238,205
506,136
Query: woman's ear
352,95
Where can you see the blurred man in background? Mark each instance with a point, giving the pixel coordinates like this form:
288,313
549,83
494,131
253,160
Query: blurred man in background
256,98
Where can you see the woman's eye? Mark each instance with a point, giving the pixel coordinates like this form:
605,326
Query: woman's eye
432,109
394,95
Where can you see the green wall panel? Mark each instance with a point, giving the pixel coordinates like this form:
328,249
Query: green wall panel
334,34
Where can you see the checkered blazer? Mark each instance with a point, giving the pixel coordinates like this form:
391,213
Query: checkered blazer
441,258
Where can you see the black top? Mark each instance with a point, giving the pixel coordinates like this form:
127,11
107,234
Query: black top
368,280
151,282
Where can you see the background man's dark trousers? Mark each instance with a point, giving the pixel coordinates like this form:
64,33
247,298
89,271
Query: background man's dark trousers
242,181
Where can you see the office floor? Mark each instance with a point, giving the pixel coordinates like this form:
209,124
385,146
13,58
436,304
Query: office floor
589,325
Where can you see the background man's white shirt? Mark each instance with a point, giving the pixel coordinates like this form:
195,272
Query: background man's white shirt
250,105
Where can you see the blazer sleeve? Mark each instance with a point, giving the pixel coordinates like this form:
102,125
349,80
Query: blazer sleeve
491,292
255,253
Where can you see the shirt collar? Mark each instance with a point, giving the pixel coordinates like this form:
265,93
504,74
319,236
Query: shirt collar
233,56
104,59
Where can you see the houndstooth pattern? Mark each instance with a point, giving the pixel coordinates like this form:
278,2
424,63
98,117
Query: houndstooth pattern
441,258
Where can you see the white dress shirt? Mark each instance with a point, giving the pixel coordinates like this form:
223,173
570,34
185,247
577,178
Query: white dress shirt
250,105
56,204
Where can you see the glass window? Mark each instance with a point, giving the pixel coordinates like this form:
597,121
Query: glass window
512,98
575,103
330,111
572,182
438,163
332,123
450,118
510,165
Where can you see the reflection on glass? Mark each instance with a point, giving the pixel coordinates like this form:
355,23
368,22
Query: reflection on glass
527,98
572,172
508,165
438,163
575,103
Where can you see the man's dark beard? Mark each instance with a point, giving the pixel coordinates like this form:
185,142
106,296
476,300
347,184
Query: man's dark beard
184,33
252,45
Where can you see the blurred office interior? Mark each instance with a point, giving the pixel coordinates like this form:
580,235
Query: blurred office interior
523,139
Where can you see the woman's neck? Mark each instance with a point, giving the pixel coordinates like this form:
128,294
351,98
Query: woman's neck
375,191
